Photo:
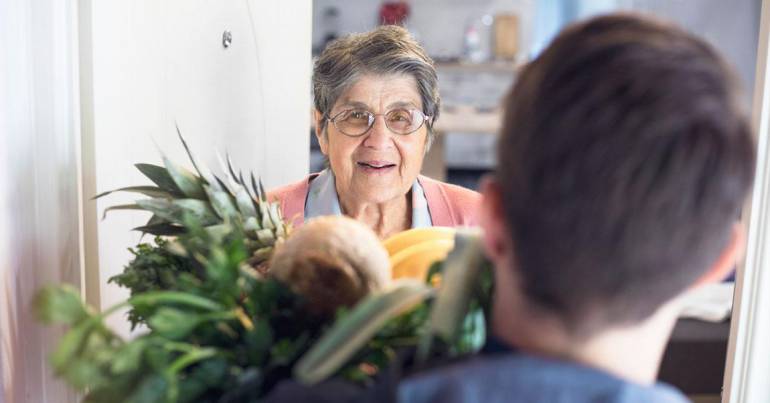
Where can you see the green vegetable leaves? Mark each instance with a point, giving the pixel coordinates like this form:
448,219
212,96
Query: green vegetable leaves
153,268
59,305
172,323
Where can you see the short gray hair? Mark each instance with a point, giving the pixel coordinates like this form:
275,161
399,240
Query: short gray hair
387,49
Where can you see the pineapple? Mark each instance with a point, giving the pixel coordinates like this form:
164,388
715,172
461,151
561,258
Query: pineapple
213,203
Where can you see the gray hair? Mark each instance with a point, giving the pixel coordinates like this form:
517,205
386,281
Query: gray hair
384,50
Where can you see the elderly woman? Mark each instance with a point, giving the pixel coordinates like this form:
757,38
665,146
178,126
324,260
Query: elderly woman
376,99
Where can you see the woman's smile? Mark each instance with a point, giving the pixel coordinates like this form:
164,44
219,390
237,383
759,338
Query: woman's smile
375,167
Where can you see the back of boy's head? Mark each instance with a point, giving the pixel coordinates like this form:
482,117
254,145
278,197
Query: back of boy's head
624,160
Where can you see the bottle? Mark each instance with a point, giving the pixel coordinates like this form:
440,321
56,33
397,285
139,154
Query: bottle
472,44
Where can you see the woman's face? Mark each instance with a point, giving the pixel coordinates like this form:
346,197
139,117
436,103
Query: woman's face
380,165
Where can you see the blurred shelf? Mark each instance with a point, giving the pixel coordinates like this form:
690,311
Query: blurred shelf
469,151
467,119
484,67
467,178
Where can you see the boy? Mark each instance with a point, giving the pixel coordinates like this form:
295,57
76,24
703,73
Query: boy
624,160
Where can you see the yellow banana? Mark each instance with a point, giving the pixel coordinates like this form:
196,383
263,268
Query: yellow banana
405,239
414,261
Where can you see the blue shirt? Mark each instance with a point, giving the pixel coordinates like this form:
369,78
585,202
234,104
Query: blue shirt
518,377
510,377
322,200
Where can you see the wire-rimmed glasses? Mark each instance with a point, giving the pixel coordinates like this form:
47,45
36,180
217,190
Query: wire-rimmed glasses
356,122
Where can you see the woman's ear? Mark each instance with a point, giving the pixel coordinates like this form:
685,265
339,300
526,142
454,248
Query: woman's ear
319,131
731,254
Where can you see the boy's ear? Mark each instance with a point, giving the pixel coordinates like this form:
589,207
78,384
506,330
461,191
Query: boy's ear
319,132
492,219
731,254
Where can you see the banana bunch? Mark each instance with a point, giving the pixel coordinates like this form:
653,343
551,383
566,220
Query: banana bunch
412,252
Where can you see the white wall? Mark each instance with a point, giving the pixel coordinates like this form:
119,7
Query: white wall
153,63
731,26
39,186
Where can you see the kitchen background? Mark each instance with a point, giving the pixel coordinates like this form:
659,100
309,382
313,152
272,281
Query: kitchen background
477,46
89,87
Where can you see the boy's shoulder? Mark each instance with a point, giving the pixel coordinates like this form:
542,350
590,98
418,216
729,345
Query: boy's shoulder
518,377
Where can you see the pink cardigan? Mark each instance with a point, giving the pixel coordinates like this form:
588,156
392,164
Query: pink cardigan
449,205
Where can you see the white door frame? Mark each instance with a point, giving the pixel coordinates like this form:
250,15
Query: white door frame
747,374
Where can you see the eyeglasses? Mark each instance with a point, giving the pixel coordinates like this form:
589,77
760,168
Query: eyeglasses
356,122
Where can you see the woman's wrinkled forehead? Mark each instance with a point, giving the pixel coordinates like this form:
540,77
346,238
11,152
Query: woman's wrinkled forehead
380,93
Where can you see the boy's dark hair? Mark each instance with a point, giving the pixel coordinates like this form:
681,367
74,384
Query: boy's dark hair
624,160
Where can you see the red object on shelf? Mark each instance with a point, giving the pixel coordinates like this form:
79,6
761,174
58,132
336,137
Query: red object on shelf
394,12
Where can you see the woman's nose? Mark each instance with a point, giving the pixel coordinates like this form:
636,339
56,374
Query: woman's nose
379,136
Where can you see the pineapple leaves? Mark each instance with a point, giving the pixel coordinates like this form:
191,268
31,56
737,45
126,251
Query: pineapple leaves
264,212
122,207
199,210
202,295
165,209
219,231
155,220
275,218
251,225
230,169
189,153
188,183
260,196
174,211
262,190
245,203
221,184
152,191
221,202
161,229
208,200
160,177
207,177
